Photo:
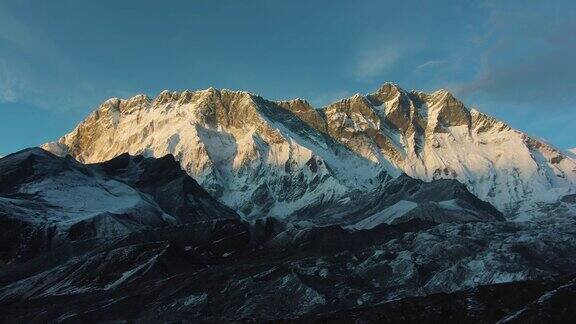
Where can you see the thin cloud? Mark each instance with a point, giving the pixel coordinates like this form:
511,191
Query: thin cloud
19,35
430,64
12,83
46,78
526,58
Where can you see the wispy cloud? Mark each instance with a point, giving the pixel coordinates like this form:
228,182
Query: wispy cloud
374,61
430,64
12,83
526,56
35,70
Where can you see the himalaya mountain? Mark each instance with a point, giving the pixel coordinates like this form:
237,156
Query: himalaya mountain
137,239
47,200
284,159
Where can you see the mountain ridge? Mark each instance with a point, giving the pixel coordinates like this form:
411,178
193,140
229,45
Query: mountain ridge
197,259
258,156
46,200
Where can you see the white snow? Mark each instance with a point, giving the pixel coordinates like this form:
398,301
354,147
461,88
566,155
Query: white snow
195,299
571,152
453,205
81,199
248,145
130,273
387,215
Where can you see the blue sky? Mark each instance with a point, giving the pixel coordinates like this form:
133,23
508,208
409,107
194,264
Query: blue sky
60,59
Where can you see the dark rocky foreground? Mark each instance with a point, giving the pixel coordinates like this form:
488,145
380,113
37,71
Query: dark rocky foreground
550,301
232,271
177,255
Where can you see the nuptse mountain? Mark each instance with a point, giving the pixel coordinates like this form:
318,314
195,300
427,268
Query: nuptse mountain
216,205
287,159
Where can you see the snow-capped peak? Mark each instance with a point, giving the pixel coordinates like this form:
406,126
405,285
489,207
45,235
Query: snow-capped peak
274,158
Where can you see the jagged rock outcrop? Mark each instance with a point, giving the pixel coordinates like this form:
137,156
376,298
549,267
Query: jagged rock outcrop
439,201
254,155
276,158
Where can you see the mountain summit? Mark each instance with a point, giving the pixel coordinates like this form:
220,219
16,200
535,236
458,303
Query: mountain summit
262,157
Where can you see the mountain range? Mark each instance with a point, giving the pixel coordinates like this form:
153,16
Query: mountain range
46,200
215,205
281,159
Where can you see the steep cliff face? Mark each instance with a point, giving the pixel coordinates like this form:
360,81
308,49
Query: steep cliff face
434,136
254,155
275,158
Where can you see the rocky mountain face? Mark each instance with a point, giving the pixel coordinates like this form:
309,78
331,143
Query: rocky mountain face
531,301
46,200
387,207
137,239
251,154
231,270
266,158
405,198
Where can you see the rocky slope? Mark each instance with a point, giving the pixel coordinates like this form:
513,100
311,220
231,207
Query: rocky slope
521,302
231,270
137,239
405,198
253,155
265,158
46,200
